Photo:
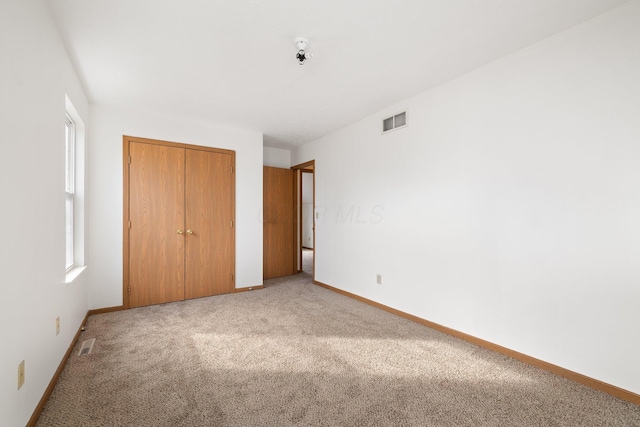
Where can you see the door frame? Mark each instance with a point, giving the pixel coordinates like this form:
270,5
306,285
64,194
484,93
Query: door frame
309,167
126,141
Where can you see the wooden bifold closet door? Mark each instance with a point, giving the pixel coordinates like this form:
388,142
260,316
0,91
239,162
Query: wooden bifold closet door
179,222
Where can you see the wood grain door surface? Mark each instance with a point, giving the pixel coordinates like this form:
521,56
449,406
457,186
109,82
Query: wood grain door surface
209,216
156,209
278,222
181,236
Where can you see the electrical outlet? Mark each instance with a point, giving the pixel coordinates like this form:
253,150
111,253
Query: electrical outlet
20,375
58,325
379,279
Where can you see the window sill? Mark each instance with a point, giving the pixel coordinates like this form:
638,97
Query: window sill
73,274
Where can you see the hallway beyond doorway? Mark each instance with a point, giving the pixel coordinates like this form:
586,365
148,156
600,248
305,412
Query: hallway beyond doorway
307,261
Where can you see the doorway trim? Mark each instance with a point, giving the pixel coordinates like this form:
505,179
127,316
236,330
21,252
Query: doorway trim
309,167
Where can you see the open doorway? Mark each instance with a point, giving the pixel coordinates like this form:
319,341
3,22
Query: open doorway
306,222
306,241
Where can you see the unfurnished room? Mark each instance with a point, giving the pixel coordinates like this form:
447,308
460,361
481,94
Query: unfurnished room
320,213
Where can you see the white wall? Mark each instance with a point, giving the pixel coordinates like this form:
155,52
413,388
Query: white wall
106,188
35,75
509,208
277,157
307,210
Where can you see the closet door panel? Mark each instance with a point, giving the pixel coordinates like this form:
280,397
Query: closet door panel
209,202
156,212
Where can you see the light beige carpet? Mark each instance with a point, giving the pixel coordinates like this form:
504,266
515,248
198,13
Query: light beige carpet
295,354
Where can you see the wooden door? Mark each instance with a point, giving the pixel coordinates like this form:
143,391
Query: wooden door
209,228
156,218
278,223
179,213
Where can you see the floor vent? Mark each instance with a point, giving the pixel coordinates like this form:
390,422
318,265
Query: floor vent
86,347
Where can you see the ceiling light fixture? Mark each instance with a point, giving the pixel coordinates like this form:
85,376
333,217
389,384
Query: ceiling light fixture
302,54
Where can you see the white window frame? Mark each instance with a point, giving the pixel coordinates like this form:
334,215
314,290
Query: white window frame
69,190
75,173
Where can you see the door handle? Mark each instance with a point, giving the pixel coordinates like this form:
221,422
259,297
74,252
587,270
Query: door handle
180,232
189,232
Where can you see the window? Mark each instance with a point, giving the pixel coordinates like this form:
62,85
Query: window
74,179
69,190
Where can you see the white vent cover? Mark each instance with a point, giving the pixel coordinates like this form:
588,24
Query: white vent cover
86,347
394,122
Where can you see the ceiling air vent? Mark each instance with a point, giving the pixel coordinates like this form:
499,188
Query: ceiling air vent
394,122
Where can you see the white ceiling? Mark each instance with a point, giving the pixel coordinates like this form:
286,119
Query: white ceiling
233,61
